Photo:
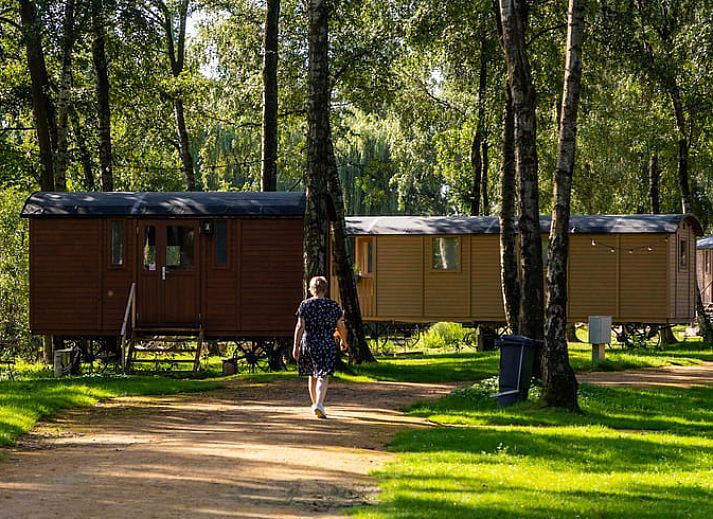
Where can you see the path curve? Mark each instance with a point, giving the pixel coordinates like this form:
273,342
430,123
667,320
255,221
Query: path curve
671,376
249,450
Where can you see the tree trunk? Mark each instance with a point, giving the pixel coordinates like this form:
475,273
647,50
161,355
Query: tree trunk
476,159
85,157
667,336
43,110
531,313
270,91
508,250
187,169
572,333
559,384
176,50
358,347
706,328
654,183
102,89
484,179
318,133
63,97
322,171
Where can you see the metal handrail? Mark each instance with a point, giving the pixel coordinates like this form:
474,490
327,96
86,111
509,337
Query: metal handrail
129,312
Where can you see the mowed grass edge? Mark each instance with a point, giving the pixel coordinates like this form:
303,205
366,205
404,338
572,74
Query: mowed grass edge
631,453
24,402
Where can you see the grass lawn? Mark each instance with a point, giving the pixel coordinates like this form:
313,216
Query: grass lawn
24,402
631,453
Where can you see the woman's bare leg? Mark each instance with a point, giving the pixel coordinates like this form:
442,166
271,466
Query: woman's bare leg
312,386
322,383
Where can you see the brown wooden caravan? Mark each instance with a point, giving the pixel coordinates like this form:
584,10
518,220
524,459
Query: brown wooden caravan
704,263
635,268
229,264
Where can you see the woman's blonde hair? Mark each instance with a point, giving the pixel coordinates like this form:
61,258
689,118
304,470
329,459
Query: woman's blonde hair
318,285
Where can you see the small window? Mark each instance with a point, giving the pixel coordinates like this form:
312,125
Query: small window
365,260
117,243
221,243
446,253
683,254
179,247
150,247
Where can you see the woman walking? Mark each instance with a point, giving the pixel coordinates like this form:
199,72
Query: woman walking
314,347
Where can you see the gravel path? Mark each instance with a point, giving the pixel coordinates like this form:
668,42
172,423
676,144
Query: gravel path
250,450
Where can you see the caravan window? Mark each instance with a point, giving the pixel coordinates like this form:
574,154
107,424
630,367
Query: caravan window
446,253
117,243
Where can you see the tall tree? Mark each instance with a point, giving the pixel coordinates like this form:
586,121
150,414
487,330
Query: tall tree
559,385
101,80
478,152
270,95
42,105
513,15
174,27
322,174
63,98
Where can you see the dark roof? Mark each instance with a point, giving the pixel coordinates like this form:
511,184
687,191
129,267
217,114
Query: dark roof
635,223
705,243
50,204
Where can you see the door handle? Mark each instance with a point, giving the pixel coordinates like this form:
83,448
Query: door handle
163,273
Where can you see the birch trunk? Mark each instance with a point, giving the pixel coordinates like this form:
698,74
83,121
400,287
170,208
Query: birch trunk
559,384
476,157
63,97
508,249
531,311
322,174
270,99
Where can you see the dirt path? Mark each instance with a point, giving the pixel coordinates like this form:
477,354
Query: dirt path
673,376
250,450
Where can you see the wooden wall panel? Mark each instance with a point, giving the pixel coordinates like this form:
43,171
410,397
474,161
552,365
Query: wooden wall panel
400,291
705,276
446,293
270,253
593,276
485,284
65,276
643,278
220,314
684,289
116,281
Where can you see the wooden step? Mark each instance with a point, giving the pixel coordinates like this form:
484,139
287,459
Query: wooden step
168,331
142,349
161,361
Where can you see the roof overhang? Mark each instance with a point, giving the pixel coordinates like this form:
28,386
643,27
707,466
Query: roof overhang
44,204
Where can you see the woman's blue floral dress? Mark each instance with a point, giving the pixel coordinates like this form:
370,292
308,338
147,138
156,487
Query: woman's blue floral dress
318,354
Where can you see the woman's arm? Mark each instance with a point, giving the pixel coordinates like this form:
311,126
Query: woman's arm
342,330
299,330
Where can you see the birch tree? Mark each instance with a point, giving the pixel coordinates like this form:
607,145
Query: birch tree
559,384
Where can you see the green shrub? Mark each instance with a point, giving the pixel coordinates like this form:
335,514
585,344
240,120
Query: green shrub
15,338
446,335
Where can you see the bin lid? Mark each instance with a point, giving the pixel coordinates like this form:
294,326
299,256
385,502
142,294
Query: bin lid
518,340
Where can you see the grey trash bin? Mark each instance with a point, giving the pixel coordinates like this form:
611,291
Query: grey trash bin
517,354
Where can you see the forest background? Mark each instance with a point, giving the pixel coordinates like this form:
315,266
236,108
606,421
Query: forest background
167,95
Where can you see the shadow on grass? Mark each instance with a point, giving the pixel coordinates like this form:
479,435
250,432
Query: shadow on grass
685,411
476,498
451,367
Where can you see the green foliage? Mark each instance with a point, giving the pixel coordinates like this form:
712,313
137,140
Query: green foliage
15,338
446,335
